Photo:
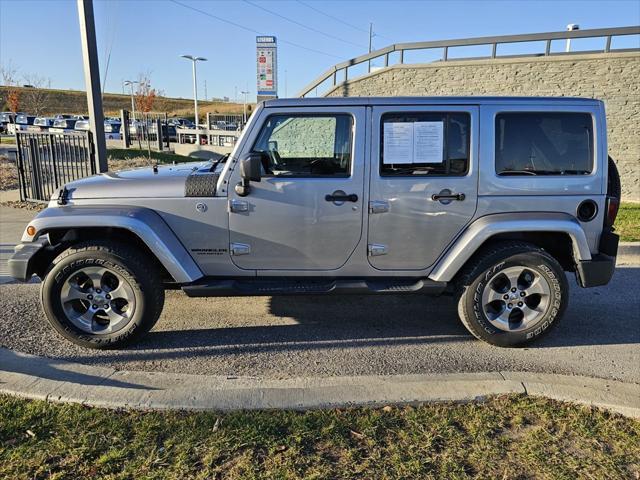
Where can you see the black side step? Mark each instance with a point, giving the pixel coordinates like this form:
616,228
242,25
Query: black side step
226,287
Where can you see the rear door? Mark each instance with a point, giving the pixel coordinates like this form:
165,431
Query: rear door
306,213
424,182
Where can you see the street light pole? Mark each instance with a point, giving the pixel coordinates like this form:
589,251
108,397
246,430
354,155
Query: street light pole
195,82
133,103
244,107
571,27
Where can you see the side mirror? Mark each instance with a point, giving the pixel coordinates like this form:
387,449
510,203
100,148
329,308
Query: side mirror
251,167
250,171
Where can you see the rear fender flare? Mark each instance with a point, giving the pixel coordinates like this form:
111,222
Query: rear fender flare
481,230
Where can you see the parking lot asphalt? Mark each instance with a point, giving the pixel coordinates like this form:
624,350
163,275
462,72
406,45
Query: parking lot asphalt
286,337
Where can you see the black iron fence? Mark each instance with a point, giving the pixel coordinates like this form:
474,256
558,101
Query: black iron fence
46,161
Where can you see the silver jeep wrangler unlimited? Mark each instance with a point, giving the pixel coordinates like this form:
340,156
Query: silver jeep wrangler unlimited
488,199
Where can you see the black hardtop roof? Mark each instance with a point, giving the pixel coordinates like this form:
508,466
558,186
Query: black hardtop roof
465,100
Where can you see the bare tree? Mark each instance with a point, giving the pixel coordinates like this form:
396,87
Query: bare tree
145,96
37,95
9,75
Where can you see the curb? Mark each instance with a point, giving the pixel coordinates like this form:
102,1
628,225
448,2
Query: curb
629,248
47,379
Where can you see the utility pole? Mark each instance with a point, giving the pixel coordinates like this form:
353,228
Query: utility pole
370,40
206,97
285,84
92,81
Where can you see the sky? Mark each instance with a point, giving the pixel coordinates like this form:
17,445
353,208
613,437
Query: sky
148,36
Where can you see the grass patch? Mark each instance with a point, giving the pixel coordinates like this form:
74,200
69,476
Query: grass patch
135,153
628,222
506,437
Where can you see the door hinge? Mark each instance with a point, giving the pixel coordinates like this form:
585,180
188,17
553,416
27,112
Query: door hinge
240,249
378,206
375,249
236,206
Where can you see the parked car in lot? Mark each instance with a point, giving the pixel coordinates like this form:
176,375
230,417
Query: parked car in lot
23,121
181,123
41,124
6,119
490,200
63,125
82,125
111,128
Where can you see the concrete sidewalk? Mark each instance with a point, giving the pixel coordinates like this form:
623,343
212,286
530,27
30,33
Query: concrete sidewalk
60,381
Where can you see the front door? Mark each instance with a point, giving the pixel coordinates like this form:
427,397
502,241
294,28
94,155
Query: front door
306,212
424,163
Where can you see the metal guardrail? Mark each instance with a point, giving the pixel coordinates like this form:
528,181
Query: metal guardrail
229,123
605,33
46,161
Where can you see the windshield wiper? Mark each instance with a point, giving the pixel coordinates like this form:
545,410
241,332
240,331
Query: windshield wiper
217,162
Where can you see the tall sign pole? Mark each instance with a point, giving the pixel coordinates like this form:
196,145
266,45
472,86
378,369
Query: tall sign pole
92,81
267,67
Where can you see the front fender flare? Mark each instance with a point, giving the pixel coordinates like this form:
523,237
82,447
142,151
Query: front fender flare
143,222
486,227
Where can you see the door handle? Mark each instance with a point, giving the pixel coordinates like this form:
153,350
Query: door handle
341,197
446,196
454,196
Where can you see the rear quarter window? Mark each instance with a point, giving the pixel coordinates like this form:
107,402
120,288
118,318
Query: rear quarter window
543,143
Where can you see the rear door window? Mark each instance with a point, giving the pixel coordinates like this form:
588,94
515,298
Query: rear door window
425,143
544,143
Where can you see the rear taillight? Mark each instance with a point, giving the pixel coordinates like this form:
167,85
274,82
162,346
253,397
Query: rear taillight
612,211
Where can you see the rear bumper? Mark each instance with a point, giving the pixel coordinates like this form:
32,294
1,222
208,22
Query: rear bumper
21,263
599,270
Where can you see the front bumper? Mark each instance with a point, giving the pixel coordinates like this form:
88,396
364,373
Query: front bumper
22,262
599,270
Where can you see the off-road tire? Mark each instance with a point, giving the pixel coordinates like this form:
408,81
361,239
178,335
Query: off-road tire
143,276
490,262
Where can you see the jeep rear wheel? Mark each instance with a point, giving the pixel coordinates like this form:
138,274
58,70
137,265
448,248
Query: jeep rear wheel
101,295
512,294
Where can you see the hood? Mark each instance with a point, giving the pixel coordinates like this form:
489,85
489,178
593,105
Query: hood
168,181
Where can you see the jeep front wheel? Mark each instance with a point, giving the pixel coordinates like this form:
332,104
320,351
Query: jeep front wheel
101,295
512,294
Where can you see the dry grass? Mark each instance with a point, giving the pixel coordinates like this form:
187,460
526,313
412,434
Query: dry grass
75,102
8,174
505,437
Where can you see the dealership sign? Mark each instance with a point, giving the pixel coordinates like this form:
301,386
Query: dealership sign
267,67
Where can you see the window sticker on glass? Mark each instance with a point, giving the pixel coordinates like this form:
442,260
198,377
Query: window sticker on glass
428,142
398,142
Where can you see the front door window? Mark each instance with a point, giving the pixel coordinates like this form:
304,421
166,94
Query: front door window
306,146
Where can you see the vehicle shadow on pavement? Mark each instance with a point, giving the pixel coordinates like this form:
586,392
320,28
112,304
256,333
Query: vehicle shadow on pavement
607,315
323,323
57,370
